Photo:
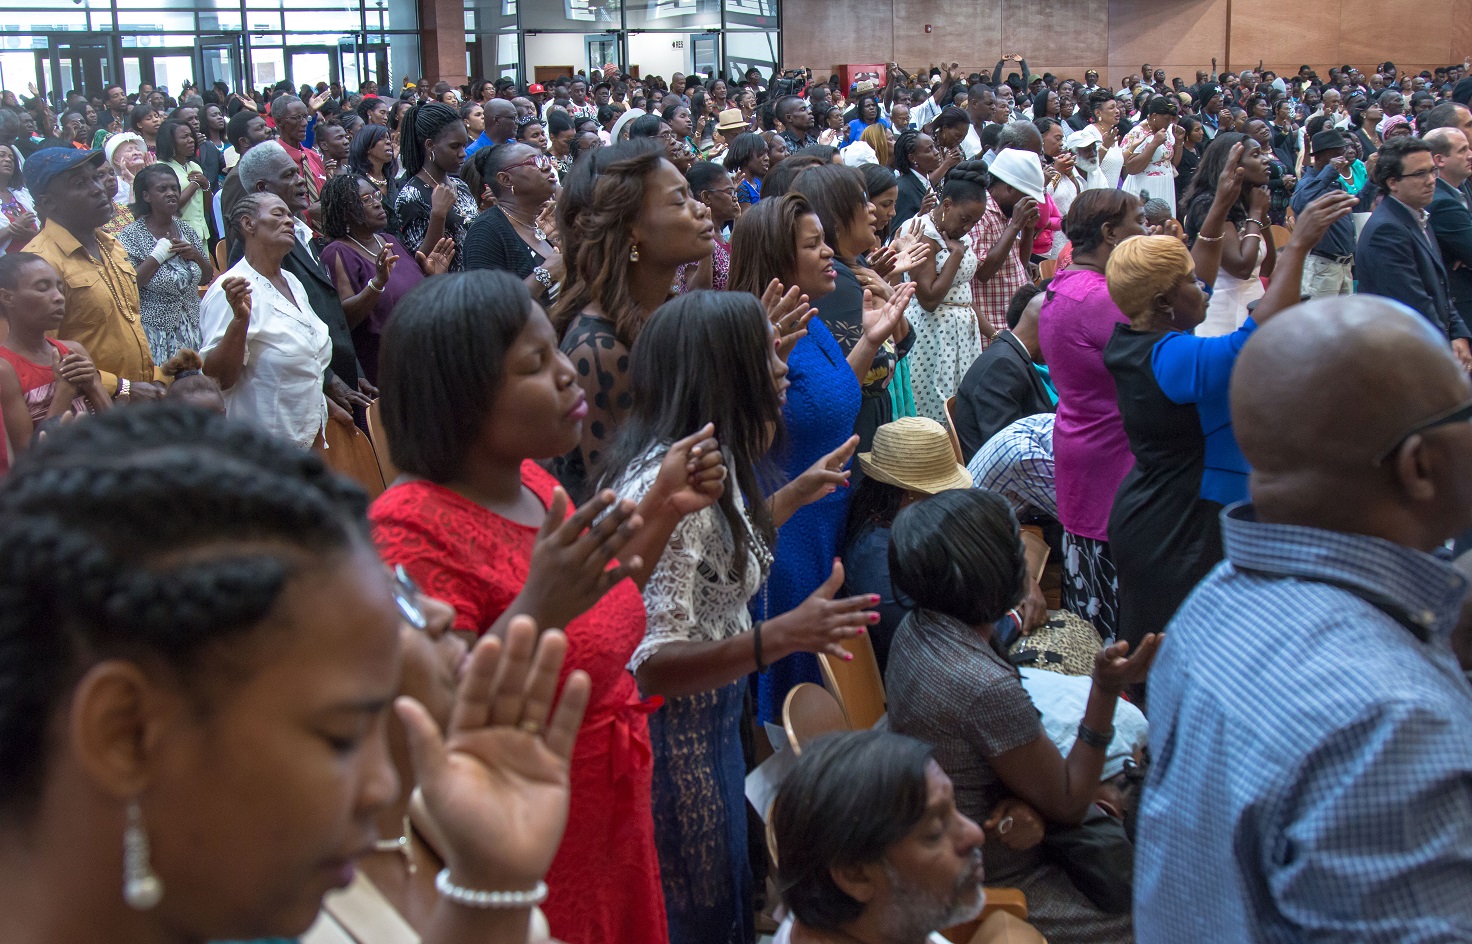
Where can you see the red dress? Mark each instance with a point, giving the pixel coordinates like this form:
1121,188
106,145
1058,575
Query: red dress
604,882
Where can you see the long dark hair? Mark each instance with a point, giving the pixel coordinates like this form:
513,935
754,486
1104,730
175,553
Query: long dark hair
423,125
705,358
363,142
1202,191
764,243
873,502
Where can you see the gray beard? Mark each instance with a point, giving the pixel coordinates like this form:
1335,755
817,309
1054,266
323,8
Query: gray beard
1084,164
919,912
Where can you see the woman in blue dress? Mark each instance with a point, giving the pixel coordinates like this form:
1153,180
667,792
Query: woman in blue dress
782,239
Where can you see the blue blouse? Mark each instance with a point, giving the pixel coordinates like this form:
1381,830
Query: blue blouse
1199,371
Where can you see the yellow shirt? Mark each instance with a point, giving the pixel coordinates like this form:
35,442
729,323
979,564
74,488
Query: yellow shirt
101,303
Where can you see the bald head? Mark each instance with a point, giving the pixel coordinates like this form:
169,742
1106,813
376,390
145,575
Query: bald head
500,120
1324,388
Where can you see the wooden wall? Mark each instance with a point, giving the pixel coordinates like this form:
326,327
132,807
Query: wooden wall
1117,36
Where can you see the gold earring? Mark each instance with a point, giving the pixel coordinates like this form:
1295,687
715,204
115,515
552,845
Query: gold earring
634,253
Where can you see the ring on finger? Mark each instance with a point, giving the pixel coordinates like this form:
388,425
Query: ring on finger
532,726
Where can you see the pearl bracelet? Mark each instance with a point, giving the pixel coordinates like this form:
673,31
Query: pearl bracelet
475,898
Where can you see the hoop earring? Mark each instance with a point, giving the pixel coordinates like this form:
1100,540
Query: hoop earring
634,253
142,889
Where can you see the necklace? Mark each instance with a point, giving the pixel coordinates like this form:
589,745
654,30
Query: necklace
403,844
532,225
372,253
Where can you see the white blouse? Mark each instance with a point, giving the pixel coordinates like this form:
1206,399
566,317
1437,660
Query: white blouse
693,595
287,353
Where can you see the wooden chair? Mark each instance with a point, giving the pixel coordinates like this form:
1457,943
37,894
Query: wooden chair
808,712
951,429
379,439
350,453
221,260
1046,270
1035,548
1280,235
856,684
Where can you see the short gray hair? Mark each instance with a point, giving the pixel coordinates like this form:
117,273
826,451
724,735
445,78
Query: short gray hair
1020,136
255,165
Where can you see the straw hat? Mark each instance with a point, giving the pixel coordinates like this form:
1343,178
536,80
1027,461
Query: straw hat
732,120
915,453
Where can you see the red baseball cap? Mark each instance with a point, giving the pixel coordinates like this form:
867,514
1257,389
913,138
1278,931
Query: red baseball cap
534,89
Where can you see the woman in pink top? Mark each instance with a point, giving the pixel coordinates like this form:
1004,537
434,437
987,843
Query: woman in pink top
1090,452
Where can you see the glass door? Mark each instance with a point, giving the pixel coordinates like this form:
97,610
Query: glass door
308,65
73,63
220,61
602,49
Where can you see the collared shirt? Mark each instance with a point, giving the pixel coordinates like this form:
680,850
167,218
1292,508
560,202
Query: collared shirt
1422,218
287,352
1312,769
1339,240
1017,464
993,295
102,310
310,163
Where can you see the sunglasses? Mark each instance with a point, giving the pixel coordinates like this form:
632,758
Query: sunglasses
406,596
540,161
1458,414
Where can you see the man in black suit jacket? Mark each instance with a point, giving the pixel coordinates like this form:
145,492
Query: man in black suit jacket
1004,384
1397,257
267,167
1451,212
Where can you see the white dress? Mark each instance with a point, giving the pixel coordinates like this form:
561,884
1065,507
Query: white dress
947,339
1158,179
1230,295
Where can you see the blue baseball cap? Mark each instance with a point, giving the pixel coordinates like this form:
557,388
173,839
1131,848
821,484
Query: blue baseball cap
47,164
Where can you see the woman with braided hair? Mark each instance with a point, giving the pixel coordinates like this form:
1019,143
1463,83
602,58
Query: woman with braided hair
916,158
627,222
367,263
196,731
433,202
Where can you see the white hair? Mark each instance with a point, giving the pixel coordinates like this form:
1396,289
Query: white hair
255,166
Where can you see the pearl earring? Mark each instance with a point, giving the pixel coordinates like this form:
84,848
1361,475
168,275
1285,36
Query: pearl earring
634,254
142,889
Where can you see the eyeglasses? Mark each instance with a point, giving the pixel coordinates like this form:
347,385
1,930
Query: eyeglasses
729,191
406,595
371,199
1455,415
540,161
666,135
1420,173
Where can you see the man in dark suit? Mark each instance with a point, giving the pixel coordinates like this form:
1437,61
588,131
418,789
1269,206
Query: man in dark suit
268,168
1397,256
1451,212
1007,382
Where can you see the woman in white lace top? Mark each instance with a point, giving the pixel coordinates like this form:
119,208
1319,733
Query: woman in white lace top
711,357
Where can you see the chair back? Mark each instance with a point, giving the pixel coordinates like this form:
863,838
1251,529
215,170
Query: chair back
951,429
1280,235
350,453
380,443
809,712
221,260
1035,549
856,683
1046,270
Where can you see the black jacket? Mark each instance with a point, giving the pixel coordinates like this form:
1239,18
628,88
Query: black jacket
1396,259
907,204
1451,221
1001,387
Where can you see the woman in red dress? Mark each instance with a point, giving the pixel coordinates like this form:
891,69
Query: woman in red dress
474,391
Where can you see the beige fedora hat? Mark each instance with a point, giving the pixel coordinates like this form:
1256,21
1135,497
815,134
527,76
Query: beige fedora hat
914,453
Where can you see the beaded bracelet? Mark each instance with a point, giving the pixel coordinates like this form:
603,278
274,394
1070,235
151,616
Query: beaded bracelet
475,898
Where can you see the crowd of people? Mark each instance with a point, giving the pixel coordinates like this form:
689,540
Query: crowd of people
687,387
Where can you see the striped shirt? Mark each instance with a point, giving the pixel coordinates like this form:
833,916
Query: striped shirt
1017,463
1309,727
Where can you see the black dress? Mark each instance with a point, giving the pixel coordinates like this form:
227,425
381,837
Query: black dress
1163,535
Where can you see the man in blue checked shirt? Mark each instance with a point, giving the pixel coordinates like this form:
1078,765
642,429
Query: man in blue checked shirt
1310,728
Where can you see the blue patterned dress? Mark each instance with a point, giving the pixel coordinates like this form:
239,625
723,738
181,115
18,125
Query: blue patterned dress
822,407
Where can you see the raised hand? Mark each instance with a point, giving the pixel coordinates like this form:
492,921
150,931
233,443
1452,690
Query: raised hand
881,318
912,252
237,293
882,260
1025,213
929,202
384,264
75,368
789,313
820,623
1116,668
438,261
692,476
441,199
569,569
1229,181
1017,825
1319,215
547,221
496,783
825,476
1258,202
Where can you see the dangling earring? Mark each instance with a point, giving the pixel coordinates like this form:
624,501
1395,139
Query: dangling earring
634,253
142,889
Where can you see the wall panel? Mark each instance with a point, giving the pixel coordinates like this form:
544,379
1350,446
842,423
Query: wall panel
1064,39
1264,29
964,33
821,34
